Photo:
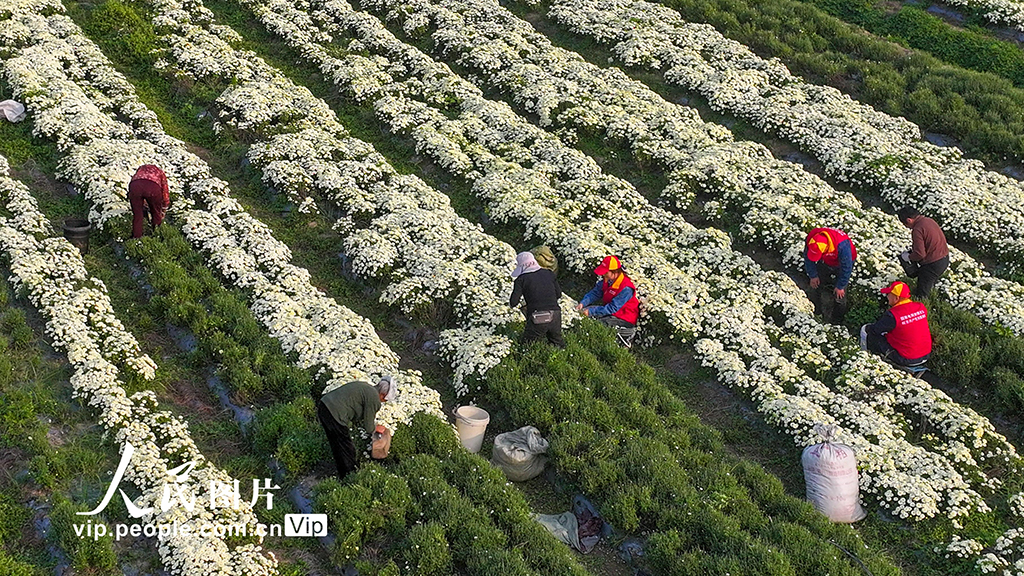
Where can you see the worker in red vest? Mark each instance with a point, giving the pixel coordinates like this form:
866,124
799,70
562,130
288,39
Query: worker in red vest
148,186
616,293
828,260
901,335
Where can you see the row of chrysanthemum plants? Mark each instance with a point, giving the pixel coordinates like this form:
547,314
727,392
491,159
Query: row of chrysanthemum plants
856,144
44,459
979,111
618,433
361,524
745,315
776,202
105,358
288,431
232,105
558,560
865,293
648,35
435,509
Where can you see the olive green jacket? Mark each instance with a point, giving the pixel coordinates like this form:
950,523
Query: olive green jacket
354,402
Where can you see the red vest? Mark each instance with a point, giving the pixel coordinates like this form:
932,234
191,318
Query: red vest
630,311
911,337
831,258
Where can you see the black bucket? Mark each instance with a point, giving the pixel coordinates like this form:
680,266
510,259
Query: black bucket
76,230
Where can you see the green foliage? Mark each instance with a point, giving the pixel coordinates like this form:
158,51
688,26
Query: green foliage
982,109
123,29
427,552
250,362
454,505
13,517
1009,387
956,355
16,328
97,555
371,501
291,432
620,436
968,353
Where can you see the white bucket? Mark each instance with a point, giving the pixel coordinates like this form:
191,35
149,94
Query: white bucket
471,422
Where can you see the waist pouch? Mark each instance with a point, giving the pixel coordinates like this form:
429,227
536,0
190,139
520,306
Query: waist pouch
543,316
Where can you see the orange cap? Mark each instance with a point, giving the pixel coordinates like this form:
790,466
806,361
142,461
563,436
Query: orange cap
608,264
897,289
817,245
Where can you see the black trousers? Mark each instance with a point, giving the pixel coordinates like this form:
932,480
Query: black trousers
827,275
927,275
552,330
613,321
340,439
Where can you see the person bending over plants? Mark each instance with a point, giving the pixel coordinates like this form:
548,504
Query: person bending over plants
828,260
148,186
355,402
539,287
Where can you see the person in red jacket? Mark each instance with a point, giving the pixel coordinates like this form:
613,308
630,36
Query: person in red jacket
148,186
901,335
828,260
617,294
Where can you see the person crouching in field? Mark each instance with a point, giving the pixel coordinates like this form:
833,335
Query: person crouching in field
829,255
928,257
901,335
358,403
539,287
148,186
617,294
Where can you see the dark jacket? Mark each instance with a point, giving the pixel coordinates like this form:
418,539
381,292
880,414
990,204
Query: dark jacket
929,241
355,402
540,290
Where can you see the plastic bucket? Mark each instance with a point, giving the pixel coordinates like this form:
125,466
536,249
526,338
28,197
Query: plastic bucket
471,422
76,230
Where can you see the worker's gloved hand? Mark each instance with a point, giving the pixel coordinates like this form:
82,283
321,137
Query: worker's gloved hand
815,282
905,256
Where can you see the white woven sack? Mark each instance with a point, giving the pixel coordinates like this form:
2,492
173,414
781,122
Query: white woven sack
830,471
520,453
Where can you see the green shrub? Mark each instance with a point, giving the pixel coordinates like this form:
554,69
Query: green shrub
6,367
426,552
1009,387
370,502
618,434
956,356
292,433
86,554
15,325
12,567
